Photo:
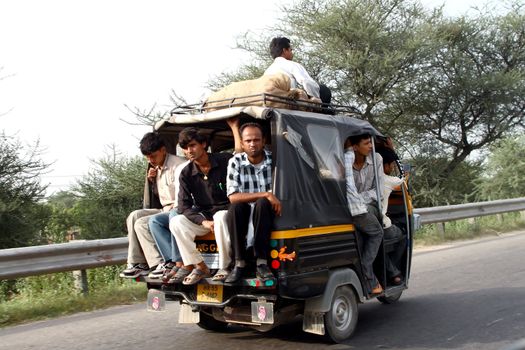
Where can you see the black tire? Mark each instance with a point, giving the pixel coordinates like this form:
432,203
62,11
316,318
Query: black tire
208,323
391,298
341,321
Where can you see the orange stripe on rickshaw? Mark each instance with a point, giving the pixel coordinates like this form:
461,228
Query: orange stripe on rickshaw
312,231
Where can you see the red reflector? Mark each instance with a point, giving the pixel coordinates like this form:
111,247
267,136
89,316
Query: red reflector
275,264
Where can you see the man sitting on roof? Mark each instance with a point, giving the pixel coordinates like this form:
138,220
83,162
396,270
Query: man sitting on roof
281,51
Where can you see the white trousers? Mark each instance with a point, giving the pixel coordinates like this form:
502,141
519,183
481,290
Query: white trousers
142,247
185,232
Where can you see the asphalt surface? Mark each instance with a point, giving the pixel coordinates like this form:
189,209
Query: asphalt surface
469,295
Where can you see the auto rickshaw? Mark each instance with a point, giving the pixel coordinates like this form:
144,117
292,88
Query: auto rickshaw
315,248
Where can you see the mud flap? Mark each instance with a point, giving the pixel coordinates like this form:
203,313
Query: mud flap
262,312
187,315
156,300
313,322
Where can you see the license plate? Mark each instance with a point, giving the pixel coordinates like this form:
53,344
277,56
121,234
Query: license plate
210,293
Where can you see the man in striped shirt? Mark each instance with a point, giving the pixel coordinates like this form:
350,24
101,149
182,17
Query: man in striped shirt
249,184
357,149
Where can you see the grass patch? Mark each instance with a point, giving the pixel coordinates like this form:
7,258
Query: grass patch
42,297
491,225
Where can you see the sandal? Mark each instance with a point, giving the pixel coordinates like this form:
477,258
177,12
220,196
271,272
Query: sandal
377,289
221,275
168,274
179,275
195,276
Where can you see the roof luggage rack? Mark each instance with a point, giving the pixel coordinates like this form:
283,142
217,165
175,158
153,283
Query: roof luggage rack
264,100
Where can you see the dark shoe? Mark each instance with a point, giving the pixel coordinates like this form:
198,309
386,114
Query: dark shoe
263,272
235,275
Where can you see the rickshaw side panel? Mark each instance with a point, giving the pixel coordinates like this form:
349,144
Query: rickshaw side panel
307,275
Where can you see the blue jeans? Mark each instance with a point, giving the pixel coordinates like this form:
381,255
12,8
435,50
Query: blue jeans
159,226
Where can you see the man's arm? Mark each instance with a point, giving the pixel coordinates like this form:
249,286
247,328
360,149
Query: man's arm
252,197
301,75
356,204
185,202
234,125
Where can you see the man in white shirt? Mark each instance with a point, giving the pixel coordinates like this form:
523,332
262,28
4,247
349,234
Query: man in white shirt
357,148
143,254
392,232
282,53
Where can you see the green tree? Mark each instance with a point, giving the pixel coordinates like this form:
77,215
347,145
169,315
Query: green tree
108,194
505,171
62,215
366,51
471,94
458,188
442,87
22,214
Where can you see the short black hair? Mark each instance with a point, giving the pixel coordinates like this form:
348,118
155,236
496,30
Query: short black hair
189,134
354,140
388,155
277,45
151,142
253,125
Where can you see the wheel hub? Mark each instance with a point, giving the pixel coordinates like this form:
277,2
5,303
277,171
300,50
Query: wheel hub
342,313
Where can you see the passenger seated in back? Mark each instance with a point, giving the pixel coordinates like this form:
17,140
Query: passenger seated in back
392,232
249,188
143,254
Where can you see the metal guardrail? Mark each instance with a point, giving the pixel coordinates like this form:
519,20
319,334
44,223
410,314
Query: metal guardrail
75,255
81,255
469,210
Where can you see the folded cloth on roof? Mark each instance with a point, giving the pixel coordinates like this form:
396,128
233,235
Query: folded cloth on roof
275,84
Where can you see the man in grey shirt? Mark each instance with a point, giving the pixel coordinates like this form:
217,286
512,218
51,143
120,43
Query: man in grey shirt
360,174
364,172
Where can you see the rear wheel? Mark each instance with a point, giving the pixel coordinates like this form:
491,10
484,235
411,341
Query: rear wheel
391,298
209,323
341,320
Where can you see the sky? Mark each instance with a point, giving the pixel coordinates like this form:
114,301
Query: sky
68,69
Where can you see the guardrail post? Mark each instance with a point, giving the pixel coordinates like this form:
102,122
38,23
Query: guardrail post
440,227
81,282
80,276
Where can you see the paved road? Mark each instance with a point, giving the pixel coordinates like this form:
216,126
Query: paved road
466,296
